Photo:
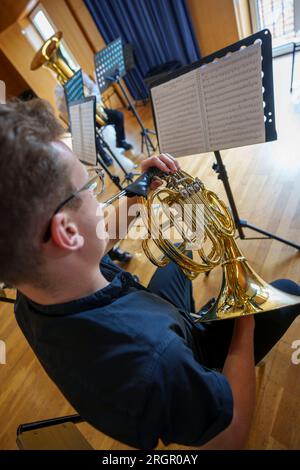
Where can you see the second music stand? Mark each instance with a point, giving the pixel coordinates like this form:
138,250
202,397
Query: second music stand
74,91
110,68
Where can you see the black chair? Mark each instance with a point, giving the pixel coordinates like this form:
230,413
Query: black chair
3,294
52,434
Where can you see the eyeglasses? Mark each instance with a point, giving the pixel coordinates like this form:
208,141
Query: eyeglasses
95,185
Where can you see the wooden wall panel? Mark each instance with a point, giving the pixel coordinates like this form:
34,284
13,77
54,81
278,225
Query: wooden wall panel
20,53
10,10
214,23
14,82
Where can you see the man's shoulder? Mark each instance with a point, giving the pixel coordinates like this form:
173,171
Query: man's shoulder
127,327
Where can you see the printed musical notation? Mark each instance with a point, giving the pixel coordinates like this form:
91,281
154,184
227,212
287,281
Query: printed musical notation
178,115
83,132
217,106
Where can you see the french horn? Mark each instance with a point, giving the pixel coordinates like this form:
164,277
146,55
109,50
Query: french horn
50,56
243,291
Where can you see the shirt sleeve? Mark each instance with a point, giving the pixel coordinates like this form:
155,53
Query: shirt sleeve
187,403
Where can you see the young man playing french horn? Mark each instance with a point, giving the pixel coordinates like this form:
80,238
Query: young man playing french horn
129,359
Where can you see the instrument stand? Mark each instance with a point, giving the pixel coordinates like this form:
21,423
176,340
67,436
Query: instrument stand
240,224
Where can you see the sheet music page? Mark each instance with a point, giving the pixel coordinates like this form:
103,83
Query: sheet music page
215,107
83,132
178,114
231,89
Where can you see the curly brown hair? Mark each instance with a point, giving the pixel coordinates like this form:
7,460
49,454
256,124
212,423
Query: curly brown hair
33,181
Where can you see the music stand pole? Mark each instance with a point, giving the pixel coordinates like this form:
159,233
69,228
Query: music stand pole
102,142
220,169
144,132
114,178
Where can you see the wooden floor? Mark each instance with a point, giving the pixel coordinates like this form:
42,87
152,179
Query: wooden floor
265,180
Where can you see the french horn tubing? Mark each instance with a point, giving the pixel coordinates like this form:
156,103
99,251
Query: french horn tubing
243,291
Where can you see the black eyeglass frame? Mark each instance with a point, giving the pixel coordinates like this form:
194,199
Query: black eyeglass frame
88,185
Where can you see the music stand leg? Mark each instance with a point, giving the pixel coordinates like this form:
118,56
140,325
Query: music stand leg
144,132
220,169
269,235
115,179
102,142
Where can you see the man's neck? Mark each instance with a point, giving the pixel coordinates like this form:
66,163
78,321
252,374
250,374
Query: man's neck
67,289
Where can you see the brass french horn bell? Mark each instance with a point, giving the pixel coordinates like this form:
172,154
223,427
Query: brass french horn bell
243,292
50,56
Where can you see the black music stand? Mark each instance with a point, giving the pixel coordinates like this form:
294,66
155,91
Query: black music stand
265,39
74,91
83,130
110,68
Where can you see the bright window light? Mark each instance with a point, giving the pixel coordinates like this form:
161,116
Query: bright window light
46,29
43,25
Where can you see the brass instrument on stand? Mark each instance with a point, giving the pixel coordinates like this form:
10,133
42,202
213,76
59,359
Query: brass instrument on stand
51,57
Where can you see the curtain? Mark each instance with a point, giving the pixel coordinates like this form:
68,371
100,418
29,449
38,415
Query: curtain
159,30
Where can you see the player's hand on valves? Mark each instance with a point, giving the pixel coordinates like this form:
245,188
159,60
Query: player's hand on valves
165,162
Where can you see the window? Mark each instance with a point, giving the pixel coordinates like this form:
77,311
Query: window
279,17
46,28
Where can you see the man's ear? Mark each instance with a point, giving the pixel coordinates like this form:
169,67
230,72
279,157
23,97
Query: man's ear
64,233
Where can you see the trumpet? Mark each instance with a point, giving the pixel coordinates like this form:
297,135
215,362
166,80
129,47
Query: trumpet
243,291
50,56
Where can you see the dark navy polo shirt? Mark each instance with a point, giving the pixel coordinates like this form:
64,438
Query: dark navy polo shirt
128,362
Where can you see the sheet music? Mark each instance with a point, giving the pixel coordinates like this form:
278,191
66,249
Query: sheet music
217,106
178,115
233,102
83,131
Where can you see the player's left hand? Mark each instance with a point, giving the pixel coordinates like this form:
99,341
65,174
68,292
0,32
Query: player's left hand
165,162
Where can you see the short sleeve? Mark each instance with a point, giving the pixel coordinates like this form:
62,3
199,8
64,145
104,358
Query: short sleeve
186,403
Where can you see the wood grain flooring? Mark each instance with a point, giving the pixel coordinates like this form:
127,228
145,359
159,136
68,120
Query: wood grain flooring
265,180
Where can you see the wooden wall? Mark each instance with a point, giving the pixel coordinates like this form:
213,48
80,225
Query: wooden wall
20,52
14,82
214,23
10,12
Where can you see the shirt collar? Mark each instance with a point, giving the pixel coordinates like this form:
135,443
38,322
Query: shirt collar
119,286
